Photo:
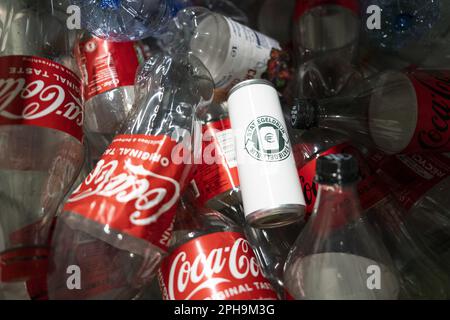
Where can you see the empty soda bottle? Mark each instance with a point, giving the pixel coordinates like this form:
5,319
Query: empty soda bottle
232,52
419,273
210,259
224,7
323,27
380,209
325,39
109,71
337,255
216,177
126,20
396,112
313,144
420,182
40,131
117,224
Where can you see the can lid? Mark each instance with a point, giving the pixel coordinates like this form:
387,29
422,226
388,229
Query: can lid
248,83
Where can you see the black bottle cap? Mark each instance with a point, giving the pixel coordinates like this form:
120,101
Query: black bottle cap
337,169
304,114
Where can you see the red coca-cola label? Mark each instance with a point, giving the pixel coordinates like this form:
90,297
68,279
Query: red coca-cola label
107,65
410,177
134,188
304,5
433,102
217,266
218,171
39,92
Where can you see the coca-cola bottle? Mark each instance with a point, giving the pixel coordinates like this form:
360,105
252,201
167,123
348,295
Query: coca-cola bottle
381,210
420,183
210,259
337,255
117,224
40,130
385,110
216,179
109,71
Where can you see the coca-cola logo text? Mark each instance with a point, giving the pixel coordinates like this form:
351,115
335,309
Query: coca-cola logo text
130,184
43,100
437,136
204,271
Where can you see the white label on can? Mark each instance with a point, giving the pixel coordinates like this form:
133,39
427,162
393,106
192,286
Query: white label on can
266,166
248,55
226,141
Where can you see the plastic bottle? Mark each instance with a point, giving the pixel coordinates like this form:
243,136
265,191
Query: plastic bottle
117,224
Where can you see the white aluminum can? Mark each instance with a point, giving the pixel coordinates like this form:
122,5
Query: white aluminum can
270,186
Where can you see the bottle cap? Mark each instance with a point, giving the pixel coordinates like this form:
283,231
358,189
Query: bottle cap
304,114
337,169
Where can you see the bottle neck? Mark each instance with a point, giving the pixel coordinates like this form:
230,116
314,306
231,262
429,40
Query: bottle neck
336,206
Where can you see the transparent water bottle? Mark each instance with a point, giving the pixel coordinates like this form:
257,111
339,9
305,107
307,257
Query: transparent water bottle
337,255
40,130
117,224
232,52
125,20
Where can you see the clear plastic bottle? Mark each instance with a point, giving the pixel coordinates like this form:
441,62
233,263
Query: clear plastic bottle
325,39
218,256
419,272
385,111
40,130
232,52
420,184
117,224
322,27
126,20
421,277
109,72
337,255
